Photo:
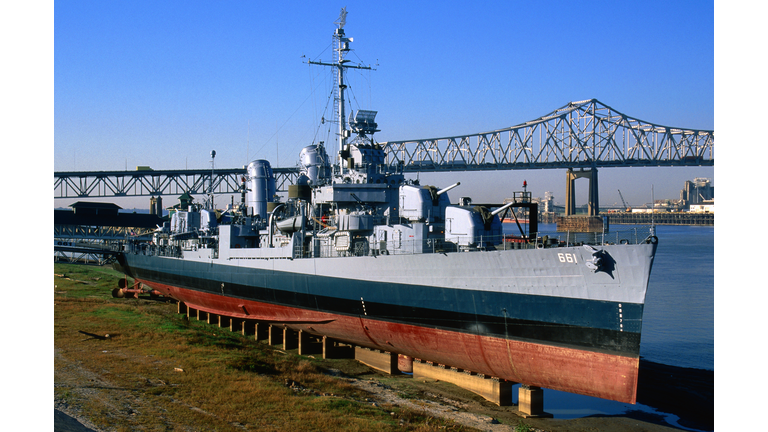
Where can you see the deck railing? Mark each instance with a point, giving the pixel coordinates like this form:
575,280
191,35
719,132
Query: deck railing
361,247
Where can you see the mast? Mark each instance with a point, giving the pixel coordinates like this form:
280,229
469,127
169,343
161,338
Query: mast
341,48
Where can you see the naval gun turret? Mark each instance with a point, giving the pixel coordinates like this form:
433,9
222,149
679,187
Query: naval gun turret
473,227
424,203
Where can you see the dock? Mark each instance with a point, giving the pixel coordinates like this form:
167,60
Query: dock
658,218
661,218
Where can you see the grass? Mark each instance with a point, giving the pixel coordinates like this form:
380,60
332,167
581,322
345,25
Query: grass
158,370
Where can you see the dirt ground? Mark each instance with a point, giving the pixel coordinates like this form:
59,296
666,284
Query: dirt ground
436,398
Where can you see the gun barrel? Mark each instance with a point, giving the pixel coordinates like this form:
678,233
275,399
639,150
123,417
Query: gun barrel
442,191
501,209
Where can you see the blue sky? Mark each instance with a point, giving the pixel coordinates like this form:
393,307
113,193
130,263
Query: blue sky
163,83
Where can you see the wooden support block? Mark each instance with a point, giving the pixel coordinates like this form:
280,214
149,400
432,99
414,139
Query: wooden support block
212,319
492,389
531,401
224,321
261,331
236,325
309,344
181,308
275,335
381,360
290,339
334,349
248,328
202,315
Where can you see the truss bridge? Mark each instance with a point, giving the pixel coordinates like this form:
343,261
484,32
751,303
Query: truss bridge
585,134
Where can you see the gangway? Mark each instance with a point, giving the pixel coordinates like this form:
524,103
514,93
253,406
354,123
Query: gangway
71,251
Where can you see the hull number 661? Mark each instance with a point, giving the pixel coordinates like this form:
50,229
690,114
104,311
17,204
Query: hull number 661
567,257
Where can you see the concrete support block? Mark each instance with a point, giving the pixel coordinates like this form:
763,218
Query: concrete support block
531,401
381,360
333,349
492,389
405,363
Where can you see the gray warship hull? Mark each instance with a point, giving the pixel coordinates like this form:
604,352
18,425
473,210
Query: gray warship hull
534,316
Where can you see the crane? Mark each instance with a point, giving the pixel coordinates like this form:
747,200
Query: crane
624,202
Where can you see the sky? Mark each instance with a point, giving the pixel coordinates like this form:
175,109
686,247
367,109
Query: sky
161,84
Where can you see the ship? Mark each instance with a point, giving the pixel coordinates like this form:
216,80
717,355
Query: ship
361,253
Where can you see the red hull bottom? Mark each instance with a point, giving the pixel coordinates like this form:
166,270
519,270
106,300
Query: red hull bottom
571,370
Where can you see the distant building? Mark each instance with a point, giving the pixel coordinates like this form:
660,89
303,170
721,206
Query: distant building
82,208
708,207
548,203
103,214
698,191
156,205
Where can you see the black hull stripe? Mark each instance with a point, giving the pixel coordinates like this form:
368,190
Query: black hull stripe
579,323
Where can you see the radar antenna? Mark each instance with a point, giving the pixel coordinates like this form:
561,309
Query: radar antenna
342,18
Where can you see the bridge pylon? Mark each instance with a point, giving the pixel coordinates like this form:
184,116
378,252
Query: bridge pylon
570,191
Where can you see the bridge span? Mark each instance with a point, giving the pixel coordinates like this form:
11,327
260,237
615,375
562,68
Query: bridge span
584,135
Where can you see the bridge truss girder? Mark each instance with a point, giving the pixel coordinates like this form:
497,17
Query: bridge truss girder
82,184
583,134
